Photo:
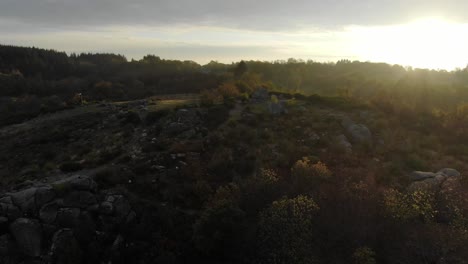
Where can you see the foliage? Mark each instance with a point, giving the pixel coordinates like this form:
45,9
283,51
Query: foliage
415,205
364,255
286,231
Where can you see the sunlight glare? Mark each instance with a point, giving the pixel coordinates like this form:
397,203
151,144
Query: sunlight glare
428,43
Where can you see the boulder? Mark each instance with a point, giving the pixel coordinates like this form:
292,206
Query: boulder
449,172
346,122
106,208
342,143
68,217
28,236
422,175
77,182
277,108
360,134
25,200
85,228
432,184
8,209
44,195
79,199
121,207
48,213
65,248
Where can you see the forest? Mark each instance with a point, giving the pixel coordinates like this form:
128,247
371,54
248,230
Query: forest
110,160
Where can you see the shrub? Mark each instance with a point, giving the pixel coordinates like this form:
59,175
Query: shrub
364,255
305,174
417,204
220,230
286,231
210,97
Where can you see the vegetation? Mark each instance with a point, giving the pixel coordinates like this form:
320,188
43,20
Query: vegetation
258,162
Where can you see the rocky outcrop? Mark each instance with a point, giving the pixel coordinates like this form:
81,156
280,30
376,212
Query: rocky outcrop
260,95
277,108
430,181
186,123
56,221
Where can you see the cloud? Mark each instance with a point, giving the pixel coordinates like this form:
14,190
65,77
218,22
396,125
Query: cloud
241,14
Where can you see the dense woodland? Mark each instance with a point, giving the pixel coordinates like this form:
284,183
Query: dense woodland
33,81
260,170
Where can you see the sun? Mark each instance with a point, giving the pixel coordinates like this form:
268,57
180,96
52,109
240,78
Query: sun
425,43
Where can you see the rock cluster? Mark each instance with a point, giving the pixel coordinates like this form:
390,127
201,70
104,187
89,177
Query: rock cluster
57,222
186,123
277,108
430,181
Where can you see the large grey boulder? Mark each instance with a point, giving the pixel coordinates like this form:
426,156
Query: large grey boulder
430,181
421,175
449,172
28,236
360,134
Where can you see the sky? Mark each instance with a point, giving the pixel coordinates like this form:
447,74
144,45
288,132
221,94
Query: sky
428,34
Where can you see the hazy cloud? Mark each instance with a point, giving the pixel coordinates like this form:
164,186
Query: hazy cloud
243,14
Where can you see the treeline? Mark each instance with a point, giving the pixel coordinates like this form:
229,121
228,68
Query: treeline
35,74
41,72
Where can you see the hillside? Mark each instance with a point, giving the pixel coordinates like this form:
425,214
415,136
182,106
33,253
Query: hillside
168,181
255,162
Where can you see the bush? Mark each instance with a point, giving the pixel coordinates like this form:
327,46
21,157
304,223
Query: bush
364,255
305,174
286,231
412,206
220,230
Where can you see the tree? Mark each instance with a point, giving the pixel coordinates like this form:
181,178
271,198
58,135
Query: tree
240,69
